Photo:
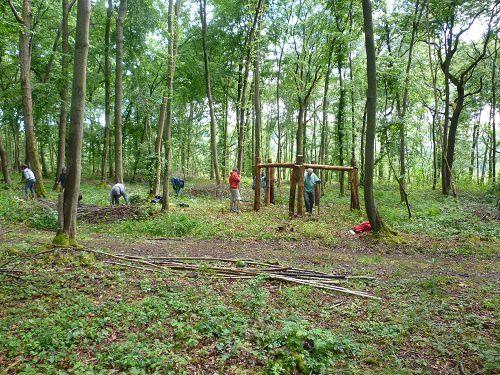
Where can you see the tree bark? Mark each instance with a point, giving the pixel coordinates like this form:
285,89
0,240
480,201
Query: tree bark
340,121
63,93
371,111
72,189
107,93
172,50
32,155
213,135
5,163
122,11
257,110
492,115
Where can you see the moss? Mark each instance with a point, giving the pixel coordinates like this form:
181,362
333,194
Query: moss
61,239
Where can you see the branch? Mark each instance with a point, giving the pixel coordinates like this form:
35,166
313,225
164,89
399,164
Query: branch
18,18
478,90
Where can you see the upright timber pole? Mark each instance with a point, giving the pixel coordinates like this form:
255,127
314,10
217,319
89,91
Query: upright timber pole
268,183
256,200
293,186
300,184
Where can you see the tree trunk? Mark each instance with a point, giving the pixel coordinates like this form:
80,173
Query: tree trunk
172,49
340,122
213,135
107,93
371,111
5,163
29,128
492,115
72,190
63,93
257,110
122,11
324,122
475,136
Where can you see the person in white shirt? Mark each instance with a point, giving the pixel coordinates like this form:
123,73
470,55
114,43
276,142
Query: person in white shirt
117,191
30,178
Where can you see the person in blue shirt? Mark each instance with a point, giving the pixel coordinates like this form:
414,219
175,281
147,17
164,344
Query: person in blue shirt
310,180
177,184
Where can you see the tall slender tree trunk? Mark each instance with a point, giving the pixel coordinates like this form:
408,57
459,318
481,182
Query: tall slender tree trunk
4,163
32,155
107,93
173,13
493,109
371,111
340,122
68,232
63,93
324,122
257,110
120,20
475,136
213,135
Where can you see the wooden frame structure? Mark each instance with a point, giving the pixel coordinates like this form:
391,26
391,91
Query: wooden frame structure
297,183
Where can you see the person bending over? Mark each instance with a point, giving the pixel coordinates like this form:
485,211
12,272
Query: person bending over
117,191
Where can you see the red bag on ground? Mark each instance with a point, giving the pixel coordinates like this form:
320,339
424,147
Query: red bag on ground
363,227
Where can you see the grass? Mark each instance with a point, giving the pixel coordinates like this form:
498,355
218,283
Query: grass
74,314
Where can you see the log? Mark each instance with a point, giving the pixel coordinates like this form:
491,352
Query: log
328,167
276,165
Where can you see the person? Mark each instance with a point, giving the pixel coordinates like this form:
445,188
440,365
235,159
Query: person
234,186
30,178
61,185
117,191
310,179
177,184
61,181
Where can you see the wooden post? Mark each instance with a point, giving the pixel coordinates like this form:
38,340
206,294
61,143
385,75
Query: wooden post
256,200
316,189
272,178
300,184
354,189
293,185
268,184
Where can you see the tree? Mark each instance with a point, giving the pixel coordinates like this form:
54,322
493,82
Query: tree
32,155
173,35
371,110
107,93
67,234
213,128
120,20
4,163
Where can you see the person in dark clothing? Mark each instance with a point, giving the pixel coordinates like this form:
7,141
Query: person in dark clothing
61,184
177,184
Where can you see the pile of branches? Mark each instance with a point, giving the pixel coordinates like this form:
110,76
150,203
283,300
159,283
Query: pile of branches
216,191
107,214
235,269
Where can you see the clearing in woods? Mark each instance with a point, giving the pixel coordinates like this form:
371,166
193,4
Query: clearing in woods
69,309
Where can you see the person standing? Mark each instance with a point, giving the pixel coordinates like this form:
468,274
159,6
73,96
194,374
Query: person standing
234,186
30,178
117,191
310,180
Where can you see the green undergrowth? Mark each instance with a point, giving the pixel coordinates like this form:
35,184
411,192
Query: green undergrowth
466,223
74,314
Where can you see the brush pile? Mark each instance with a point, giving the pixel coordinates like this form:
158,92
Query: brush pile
235,269
107,214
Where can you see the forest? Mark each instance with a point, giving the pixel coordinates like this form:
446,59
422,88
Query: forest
249,186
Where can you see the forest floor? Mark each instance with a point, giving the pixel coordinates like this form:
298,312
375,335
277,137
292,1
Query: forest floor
438,286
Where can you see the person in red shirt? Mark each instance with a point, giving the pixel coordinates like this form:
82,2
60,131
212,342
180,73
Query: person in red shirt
234,186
